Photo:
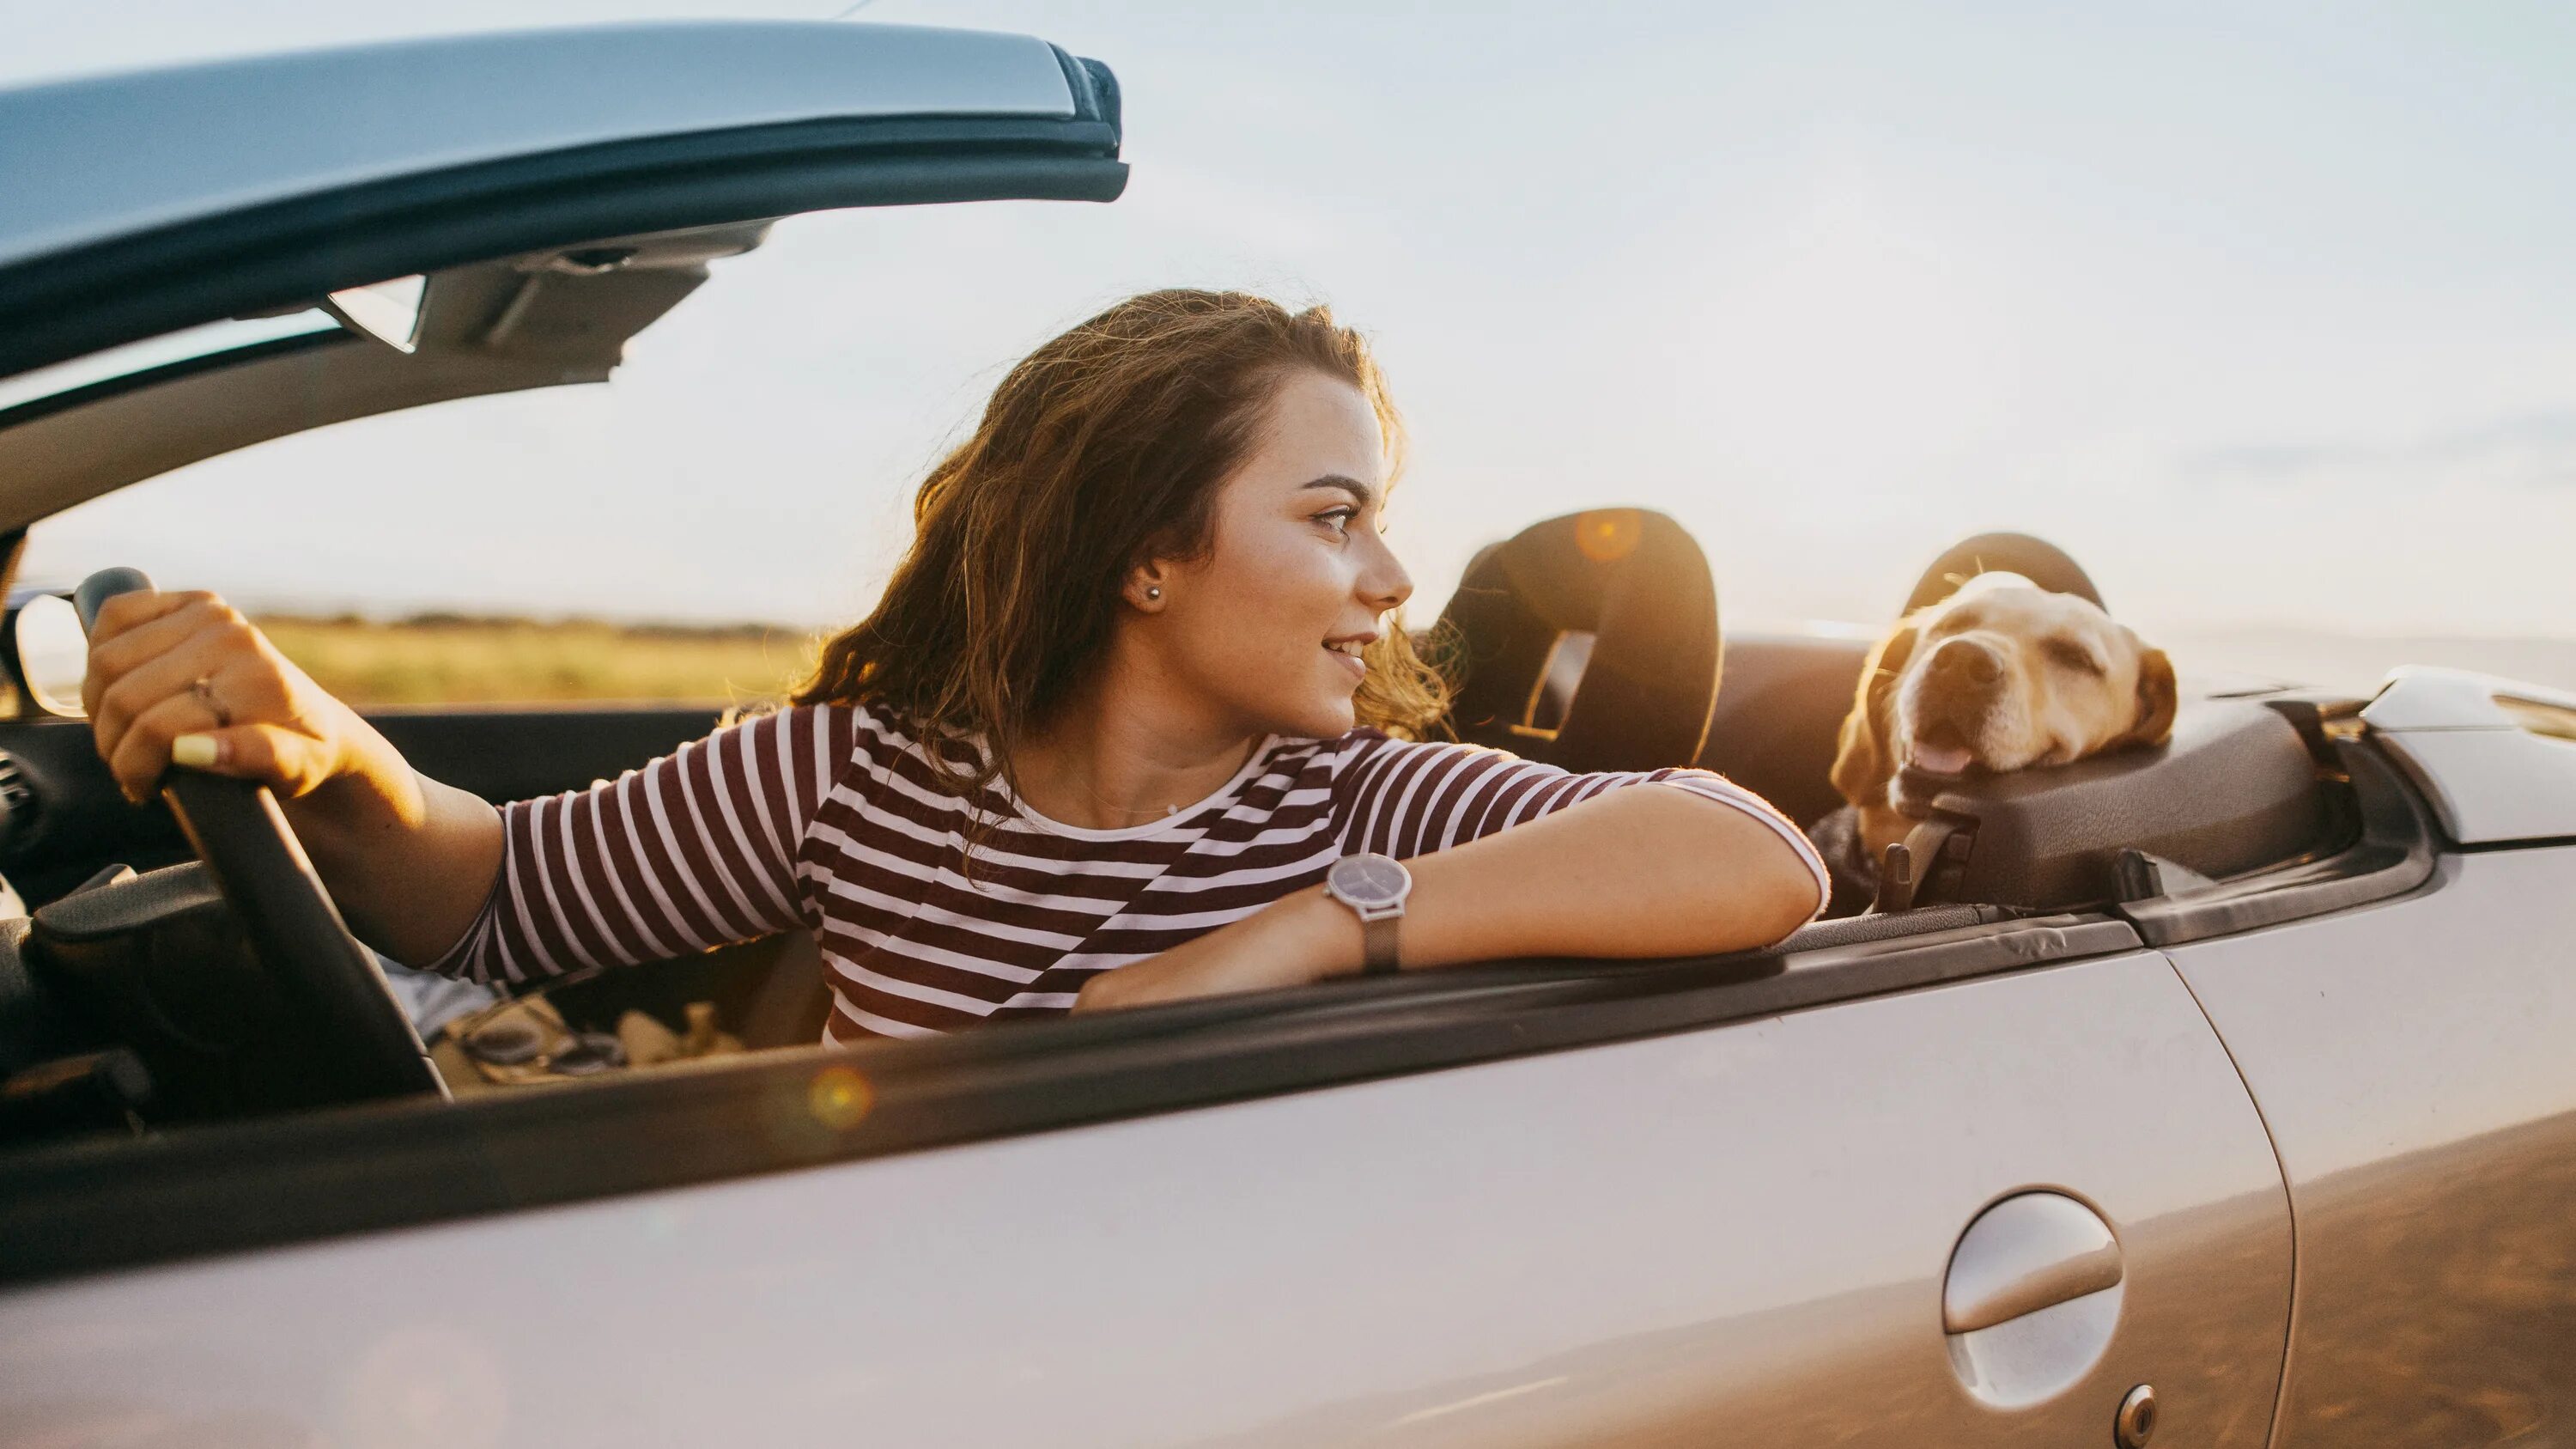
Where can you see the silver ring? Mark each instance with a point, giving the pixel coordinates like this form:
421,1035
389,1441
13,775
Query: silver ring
204,690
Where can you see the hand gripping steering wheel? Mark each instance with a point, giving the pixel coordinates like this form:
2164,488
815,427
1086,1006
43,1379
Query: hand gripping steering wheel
361,1041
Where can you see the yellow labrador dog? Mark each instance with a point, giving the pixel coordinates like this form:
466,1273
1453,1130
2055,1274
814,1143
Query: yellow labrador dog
2001,675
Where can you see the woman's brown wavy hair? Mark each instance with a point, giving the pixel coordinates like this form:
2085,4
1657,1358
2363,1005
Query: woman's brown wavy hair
1100,451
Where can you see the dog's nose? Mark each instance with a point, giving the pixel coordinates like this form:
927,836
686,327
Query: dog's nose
1966,661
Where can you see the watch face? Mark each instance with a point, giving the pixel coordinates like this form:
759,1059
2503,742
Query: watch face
1370,880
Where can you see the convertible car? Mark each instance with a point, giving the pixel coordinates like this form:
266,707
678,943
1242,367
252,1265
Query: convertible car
2215,1094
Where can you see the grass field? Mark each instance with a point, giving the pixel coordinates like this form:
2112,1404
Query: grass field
456,659
459,659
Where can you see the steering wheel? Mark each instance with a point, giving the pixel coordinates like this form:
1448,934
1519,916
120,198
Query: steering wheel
363,1044
1634,580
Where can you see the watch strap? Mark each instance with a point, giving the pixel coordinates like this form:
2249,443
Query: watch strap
1378,944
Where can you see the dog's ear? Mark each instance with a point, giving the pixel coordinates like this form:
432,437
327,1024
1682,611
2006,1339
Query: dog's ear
2159,698
1862,766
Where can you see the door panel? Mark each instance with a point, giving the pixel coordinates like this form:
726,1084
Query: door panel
2413,1062
1730,1235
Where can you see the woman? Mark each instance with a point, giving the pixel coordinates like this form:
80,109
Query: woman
1135,691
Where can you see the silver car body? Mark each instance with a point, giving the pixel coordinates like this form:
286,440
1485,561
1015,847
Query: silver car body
2295,1153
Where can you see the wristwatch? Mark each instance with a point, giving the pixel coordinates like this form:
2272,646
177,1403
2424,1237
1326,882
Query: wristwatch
1374,887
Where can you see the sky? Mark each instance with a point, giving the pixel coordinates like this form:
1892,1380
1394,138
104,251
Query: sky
2263,312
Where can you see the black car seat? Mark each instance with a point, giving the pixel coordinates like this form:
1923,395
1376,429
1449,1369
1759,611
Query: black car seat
1589,641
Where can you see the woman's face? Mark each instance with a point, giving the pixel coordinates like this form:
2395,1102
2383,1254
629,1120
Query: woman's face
1267,627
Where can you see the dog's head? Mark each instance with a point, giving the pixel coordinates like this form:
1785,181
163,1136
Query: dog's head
2001,675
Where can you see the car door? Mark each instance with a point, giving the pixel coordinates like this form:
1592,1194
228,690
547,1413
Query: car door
1694,1204
2411,1061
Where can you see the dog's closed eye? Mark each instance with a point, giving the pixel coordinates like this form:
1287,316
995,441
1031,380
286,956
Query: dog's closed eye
2071,654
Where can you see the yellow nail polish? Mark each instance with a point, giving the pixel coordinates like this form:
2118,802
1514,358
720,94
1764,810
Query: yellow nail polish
197,752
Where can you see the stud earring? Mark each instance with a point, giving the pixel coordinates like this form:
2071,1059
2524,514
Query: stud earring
1154,591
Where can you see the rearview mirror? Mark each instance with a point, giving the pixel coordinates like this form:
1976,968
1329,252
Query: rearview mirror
386,311
53,654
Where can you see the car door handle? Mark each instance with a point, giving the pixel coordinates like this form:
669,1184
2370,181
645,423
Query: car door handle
2030,1251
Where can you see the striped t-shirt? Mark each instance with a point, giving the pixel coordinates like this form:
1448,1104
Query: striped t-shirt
828,817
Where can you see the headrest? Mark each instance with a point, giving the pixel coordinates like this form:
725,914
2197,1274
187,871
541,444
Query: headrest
1638,584
2036,559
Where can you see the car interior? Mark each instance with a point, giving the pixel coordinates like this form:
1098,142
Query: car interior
1590,640
140,987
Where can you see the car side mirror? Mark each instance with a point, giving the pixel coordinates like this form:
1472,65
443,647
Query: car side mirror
49,652
386,311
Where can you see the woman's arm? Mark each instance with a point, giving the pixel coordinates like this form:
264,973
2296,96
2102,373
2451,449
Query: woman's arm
687,852
409,860
1645,870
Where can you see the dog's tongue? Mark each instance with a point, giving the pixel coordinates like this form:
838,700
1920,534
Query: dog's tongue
1941,759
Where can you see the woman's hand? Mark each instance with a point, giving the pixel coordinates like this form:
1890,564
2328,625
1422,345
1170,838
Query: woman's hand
1297,939
184,678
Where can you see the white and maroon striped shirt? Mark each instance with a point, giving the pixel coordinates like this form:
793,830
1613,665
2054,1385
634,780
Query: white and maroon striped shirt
827,817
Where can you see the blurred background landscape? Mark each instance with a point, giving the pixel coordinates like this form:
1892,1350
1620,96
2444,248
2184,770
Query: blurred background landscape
2261,312
487,659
